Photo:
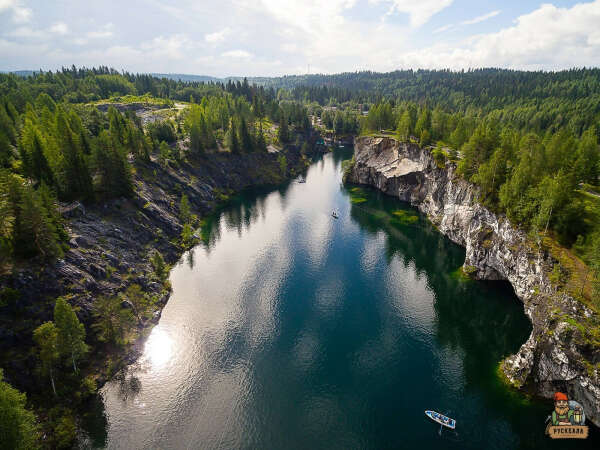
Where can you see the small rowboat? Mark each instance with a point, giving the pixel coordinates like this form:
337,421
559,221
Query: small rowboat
441,419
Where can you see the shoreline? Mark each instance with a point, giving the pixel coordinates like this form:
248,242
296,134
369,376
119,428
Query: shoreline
495,250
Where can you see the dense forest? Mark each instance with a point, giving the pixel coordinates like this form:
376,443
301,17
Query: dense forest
55,145
528,139
62,141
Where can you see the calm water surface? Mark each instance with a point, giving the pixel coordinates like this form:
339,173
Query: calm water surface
290,329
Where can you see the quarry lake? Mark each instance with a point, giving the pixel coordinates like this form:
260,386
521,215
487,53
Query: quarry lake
288,328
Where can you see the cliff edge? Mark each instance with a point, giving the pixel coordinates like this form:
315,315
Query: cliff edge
558,355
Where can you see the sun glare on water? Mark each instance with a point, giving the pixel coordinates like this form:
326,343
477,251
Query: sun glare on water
159,348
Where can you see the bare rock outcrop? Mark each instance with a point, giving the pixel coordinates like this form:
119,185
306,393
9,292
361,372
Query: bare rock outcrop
557,355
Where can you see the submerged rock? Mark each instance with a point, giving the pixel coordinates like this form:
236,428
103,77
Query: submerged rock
556,356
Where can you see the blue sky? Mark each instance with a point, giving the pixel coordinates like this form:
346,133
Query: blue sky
276,37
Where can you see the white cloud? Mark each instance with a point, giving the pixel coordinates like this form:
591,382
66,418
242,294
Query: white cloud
482,18
20,14
444,28
473,21
237,54
217,36
102,33
419,11
285,36
177,46
59,28
27,33
547,38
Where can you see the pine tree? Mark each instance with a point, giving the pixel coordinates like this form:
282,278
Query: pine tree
139,300
283,134
196,144
7,217
164,153
232,138
77,182
160,267
245,137
34,230
261,143
111,320
588,157
404,126
18,428
184,209
46,338
113,168
425,138
424,122
71,332
33,155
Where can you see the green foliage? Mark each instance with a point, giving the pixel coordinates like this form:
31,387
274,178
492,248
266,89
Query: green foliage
114,171
46,339
161,269
164,153
139,300
162,131
30,224
71,332
185,213
283,133
282,161
65,432
111,320
18,427
232,139
187,235
63,428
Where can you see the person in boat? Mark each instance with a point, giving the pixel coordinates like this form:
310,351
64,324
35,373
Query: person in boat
562,414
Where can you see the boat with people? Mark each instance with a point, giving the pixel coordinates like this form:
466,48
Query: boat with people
441,419
334,215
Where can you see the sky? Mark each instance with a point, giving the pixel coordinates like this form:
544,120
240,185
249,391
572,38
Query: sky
278,37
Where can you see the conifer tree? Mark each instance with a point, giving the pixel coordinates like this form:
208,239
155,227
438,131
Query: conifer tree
232,138
33,155
404,126
424,122
261,143
588,157
77,182
283,134
196,141
114,170
18,428
34,231
245,138
139,300
184,209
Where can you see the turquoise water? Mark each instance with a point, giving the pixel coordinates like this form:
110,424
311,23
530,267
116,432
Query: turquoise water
289,329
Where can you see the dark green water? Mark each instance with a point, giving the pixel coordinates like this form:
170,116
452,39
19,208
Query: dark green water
291,329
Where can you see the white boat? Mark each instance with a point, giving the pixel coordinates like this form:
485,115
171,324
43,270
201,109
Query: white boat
334,215
441,419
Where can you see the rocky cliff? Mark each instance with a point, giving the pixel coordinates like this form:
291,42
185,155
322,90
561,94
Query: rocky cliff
111,244
559,355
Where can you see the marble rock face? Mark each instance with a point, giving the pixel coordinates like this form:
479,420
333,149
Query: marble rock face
551,359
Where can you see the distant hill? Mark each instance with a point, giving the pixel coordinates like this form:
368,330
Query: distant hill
207,79
21,73
189,78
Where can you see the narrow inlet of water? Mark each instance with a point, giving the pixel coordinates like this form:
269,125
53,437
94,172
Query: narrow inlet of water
289,328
